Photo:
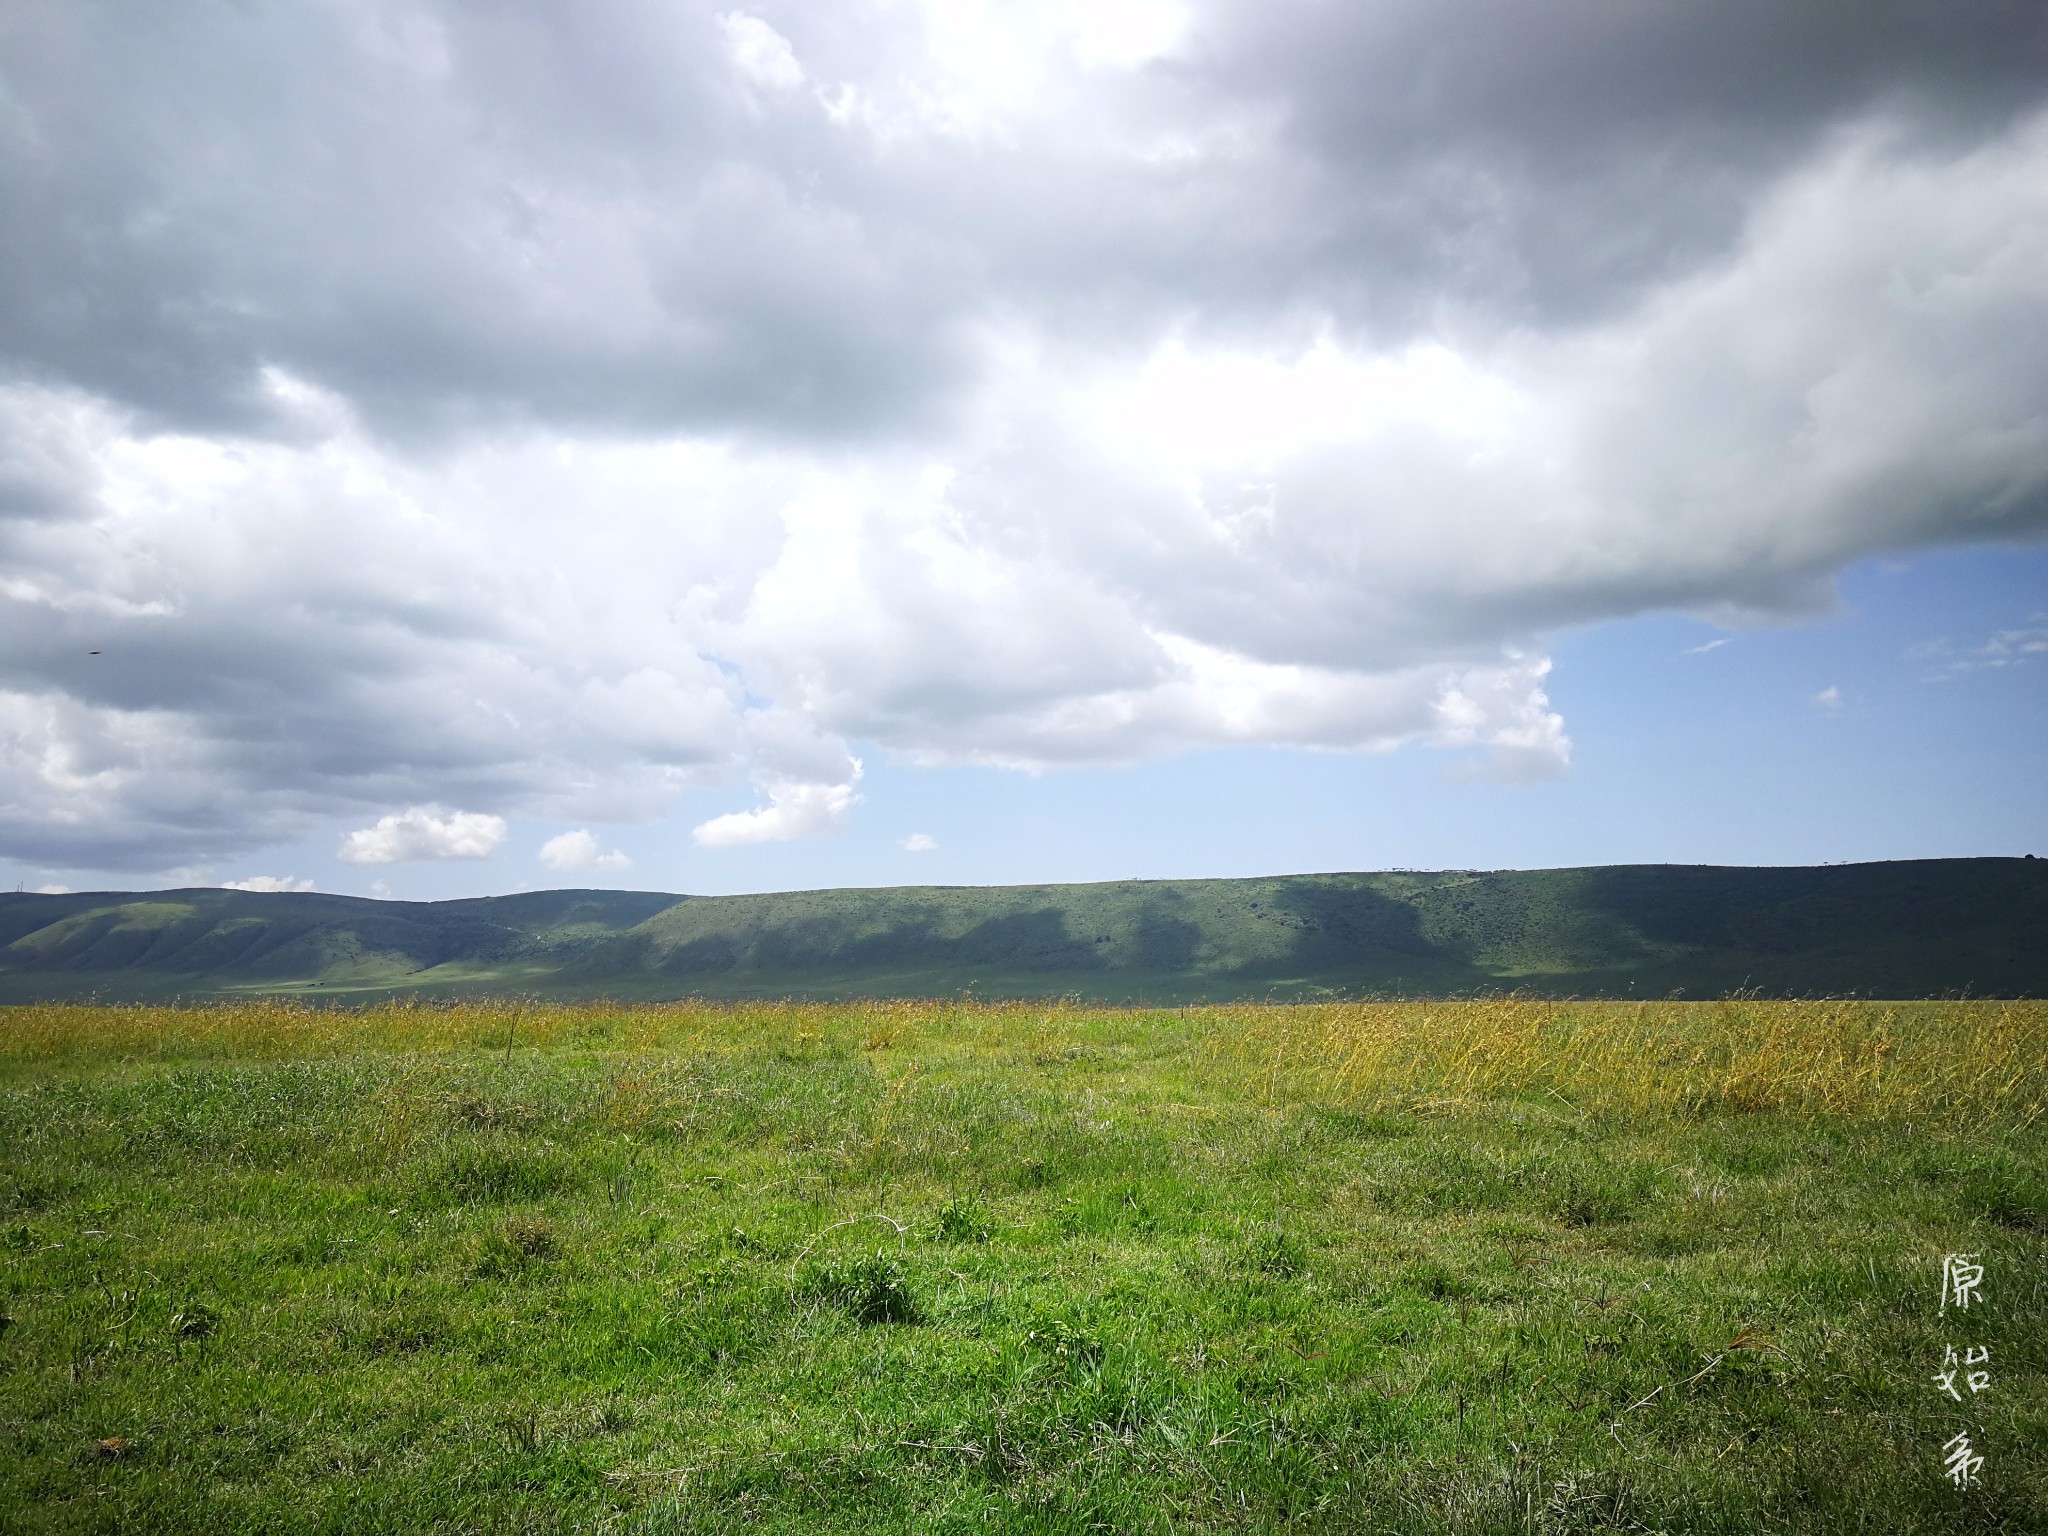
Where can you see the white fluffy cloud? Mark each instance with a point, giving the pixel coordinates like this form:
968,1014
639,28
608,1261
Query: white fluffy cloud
792,811
580,850
557,418
424,832
268,883
920,842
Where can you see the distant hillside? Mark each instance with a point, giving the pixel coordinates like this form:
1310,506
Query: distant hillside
119,945
1910,929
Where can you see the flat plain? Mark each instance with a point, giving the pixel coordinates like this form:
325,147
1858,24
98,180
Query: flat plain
1494,1265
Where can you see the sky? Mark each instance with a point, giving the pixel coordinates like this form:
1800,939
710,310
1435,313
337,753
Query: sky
448,449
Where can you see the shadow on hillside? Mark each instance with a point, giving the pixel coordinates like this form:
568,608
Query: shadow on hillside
1341,927
1035,941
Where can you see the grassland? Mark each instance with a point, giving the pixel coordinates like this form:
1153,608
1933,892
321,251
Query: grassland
1498,1265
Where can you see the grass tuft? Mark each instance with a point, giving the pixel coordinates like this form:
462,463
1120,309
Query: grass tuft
869,1289
963,1219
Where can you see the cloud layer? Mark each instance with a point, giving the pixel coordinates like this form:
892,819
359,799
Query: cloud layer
407,406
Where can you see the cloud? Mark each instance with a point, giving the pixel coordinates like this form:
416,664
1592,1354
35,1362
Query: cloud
638,218
793,811
1828,700
579,850
424,832
2006,648
760,53
1711,645
919,842
568,417
53,890
271,883
2009,647
260,673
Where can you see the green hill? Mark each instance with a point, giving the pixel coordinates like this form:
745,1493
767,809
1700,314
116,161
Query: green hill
197,942
1908,929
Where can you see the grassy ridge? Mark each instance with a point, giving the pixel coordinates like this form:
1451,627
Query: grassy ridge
1491,1266
1906,929
1912,929
175,942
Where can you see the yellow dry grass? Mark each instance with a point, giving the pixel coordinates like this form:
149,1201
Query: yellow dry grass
1666,1058
1744,1055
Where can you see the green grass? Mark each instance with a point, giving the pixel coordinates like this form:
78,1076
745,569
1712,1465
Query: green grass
1499,1267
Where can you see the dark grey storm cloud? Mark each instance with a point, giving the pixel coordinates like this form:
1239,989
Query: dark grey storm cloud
522,409
459,211
1548,162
